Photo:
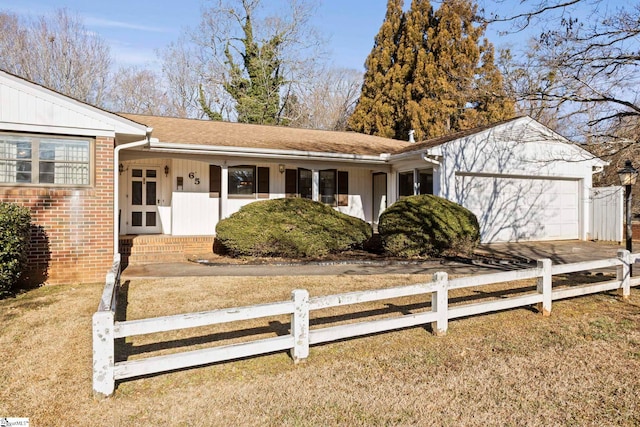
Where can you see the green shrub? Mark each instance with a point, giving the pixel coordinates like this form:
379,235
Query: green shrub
292,228
15,224
428,225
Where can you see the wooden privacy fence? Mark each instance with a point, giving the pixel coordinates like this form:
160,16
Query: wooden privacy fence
105,329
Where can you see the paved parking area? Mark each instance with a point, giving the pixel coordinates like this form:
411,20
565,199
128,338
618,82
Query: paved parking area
491,258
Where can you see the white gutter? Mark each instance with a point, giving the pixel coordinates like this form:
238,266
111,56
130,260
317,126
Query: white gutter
427,159
264,153
116,184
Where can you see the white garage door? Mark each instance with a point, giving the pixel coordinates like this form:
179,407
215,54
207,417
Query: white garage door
521,209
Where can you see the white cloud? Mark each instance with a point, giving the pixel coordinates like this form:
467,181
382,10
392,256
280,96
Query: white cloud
124,55
108,23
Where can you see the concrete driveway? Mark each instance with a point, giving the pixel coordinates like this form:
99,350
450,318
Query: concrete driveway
491,258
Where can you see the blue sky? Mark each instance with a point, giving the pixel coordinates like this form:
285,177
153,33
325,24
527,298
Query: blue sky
135,28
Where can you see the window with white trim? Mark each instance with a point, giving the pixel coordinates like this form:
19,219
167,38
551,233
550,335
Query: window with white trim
405,184
30,159
408,187
249,181
333,185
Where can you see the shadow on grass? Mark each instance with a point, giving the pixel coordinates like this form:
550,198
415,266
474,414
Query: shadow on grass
125,350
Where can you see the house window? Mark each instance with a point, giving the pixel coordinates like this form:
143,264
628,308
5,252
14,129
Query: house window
405,184
407,187
328,186
426,181
305,183
242,180
333,185
248,181
44,160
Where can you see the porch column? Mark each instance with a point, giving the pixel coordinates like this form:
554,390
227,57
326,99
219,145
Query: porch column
315,185
392,187
416,182
436,181
224,191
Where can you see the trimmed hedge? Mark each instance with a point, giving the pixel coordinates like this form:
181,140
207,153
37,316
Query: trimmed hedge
15,226
290,228
427,225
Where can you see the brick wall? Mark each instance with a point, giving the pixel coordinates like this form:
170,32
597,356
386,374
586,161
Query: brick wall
72,229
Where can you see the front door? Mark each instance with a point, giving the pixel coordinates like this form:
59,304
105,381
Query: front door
144,197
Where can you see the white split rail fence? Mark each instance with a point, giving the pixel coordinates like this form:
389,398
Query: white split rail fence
105,329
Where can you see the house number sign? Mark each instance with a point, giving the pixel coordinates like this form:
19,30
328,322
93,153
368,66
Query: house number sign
192,175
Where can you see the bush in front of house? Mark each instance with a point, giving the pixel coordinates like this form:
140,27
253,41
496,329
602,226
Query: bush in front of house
427,225
15,225
290,228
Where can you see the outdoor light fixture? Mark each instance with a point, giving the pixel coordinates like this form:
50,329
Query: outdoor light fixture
166,170
120,168
281,168
628,176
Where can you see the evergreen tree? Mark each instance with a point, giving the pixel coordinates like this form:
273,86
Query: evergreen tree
444,72
470,85
417,72
377,109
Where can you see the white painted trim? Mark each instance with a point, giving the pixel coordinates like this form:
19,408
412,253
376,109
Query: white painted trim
263,153
35,128
519,176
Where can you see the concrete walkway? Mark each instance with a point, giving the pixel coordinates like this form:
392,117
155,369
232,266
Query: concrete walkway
491,258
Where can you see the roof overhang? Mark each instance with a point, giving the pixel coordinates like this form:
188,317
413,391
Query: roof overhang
276,154
50,111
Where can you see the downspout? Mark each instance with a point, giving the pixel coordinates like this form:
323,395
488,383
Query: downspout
428,159
116,184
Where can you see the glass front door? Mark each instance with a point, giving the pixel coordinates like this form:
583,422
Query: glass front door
144,196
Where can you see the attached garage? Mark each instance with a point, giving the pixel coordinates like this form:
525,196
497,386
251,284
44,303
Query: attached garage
523,181
523,208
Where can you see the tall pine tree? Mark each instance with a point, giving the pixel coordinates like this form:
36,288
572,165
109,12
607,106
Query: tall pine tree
445,72
418,72
377,109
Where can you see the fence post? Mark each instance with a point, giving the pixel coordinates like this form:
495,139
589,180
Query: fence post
624,272
103,353
300,325
545,287
440,303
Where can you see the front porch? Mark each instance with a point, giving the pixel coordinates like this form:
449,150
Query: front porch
137,249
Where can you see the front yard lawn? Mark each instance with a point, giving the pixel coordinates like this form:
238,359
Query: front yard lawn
577,367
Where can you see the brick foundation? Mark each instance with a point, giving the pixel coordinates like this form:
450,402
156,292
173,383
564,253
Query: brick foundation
151,249
71,238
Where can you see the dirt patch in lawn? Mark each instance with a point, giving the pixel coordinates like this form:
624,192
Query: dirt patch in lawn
577,367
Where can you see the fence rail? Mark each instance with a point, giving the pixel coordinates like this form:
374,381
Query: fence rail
105,329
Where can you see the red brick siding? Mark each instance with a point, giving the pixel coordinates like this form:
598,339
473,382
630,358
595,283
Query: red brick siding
72,233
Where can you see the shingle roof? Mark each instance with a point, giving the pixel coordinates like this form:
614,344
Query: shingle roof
214,133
